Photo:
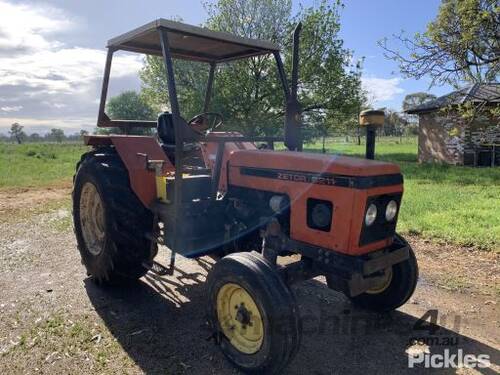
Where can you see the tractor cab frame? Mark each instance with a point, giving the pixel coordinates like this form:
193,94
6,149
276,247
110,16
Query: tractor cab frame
174,40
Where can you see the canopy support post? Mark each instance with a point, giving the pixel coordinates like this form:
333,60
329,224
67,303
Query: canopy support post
179,141
101,116
208,92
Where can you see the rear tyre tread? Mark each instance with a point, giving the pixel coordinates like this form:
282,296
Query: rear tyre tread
127,220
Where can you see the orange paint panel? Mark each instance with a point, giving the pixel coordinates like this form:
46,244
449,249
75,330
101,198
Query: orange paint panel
129,148
317,163
342,198
209,151
349,203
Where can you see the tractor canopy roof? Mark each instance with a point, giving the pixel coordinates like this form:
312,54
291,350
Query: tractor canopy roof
191,42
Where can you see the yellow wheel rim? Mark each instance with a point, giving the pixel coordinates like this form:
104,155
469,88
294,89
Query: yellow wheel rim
240,318
384,284
92,219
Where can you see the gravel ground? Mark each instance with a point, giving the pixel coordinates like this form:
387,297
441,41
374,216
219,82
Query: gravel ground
53,319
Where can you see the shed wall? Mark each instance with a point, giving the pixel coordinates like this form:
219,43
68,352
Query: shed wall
440,139
445,138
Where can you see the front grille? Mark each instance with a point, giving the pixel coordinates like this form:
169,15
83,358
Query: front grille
381,228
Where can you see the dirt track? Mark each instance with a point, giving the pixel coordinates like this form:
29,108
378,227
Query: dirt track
54,320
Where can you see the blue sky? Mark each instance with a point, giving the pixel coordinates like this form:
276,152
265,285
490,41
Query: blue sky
52,53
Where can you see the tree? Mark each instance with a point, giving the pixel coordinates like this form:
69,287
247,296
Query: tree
394,124
129,105
248,91
190,78
16,132
56,135
328,83
416,99
461,45
412,101
34,137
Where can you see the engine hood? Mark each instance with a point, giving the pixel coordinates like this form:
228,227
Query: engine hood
311,162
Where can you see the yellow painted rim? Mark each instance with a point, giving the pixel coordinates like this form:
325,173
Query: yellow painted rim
384,284
92,219
240,318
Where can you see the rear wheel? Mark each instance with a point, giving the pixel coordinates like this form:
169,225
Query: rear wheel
110,222
253,313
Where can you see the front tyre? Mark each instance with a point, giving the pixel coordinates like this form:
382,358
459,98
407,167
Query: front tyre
395,289
110,222
253,313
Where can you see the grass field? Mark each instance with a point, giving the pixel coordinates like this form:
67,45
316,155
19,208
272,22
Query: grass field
37,164
459,205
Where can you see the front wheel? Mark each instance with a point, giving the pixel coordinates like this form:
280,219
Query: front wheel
253,313
394,290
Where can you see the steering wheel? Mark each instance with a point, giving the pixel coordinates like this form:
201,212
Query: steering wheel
200,123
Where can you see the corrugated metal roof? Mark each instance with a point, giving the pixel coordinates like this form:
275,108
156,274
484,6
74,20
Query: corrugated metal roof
477,93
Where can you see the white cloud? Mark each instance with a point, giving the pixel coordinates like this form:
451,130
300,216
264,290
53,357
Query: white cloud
42,79
381,89
24,26
14,108
66,70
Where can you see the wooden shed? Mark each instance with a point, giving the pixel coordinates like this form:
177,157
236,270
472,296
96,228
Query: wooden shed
445,136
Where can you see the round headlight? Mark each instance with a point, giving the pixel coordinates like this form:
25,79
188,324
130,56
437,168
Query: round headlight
391,210
277,203
371,215
321,215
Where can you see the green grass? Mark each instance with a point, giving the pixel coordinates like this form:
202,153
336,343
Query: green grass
460,205
62,340
37,165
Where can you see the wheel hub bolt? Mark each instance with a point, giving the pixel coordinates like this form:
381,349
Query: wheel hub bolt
243,315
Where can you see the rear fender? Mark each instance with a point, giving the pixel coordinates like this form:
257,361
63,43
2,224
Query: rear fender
132,150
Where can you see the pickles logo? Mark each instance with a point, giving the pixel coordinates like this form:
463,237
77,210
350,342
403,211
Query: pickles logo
419,354
448,360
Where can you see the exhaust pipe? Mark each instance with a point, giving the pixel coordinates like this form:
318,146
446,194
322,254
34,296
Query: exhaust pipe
293,134
371,120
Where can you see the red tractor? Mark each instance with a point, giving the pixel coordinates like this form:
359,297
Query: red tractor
200,191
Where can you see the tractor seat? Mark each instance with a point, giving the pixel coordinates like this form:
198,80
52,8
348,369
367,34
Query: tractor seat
166,133
165,129
193,159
